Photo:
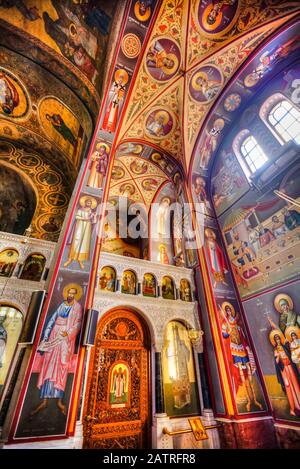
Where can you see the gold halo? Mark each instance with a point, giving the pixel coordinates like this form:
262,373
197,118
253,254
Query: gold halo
195,78
102,144
84,198
119,72
162,246
272,335
289,330
220,122
138,15
156,157
226,303
137,149
282,296
176,176
167,199
207,232
211,27
170,71
73,285
70,27
164,114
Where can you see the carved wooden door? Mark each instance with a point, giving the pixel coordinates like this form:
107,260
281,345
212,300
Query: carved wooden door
117,404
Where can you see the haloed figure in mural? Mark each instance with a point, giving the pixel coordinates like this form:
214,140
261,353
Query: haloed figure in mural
9,98
215,257
288,317
98,166
239,354
82,231
116,99
287,373
61,127
57,348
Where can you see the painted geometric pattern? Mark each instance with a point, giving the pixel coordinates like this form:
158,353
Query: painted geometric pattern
171,102
171,26
249,14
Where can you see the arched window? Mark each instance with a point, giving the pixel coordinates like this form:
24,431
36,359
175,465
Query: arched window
284,117
33,267
11,321
8,260
252,153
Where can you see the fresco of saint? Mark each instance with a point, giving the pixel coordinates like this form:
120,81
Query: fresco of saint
162,217
98,165
287,373
216,257
162,60
57,349
61,127
288,317
116,98
82,232
9,97
239,354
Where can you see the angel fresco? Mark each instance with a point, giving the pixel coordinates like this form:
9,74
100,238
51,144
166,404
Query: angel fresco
119,384
239,354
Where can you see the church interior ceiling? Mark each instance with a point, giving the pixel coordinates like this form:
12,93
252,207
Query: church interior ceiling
168,103
67,38
44,131
272,58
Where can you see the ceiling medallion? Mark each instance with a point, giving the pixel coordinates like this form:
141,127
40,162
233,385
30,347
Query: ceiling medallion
131,46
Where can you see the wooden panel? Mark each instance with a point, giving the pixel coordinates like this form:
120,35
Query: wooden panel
117,406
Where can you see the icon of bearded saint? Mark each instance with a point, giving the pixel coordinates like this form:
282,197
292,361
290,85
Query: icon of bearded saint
9,97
